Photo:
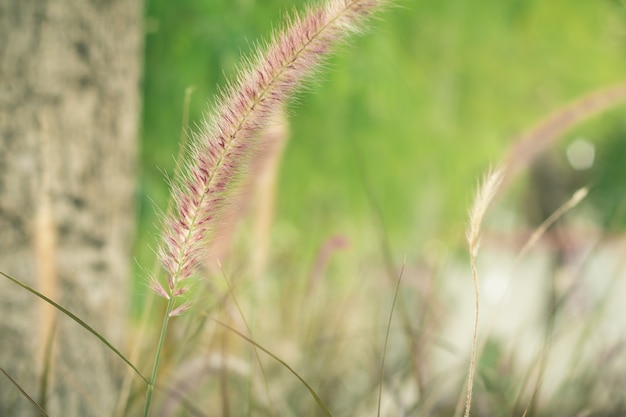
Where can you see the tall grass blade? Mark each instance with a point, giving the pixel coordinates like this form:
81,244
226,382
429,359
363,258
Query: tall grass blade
156,267
77,320
179,395
576,198
484,196
382,365
24,393
314,394
386,251
256,352
47,365
157,356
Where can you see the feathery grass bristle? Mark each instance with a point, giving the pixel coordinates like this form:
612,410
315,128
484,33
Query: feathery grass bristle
486,192
221,153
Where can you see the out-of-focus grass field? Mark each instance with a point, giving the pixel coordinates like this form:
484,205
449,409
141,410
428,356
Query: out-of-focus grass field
387,144
410,114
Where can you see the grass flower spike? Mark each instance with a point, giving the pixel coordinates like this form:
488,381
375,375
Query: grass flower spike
220,154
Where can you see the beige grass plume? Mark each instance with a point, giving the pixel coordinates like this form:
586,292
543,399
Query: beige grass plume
486,192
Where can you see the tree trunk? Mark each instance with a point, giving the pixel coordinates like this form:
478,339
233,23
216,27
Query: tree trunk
69,104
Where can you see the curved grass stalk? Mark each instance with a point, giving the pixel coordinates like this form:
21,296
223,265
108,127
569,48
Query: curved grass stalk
156,268
314,394
24,393
77,320
382,365
157,356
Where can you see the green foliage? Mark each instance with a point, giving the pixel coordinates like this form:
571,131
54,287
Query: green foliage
384,150
412,114
400,126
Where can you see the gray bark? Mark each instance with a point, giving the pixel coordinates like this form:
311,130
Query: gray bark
69,105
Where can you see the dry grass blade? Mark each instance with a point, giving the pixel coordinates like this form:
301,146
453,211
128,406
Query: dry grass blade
484,196
577,197
314,394
45,244
390,269
24,393
77,320
382,365
47,365
256,351
179,395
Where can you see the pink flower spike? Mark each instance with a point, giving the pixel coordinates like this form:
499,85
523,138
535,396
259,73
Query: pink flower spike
221,152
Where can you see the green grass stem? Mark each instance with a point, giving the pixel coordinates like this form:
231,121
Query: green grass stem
77,320
382,365
314,394
24,393
155,366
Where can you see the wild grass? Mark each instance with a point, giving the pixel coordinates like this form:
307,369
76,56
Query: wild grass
355,334
224,150
485,195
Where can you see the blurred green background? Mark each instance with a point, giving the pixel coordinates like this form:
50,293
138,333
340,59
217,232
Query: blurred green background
409,114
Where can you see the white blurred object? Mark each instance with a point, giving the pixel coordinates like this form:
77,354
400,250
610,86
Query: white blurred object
581,154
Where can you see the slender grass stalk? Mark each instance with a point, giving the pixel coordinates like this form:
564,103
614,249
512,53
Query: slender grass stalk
45,245
77,320
231,292
157,356
390,269
24,393
156,267
313,393
576,198
484,196
46,373
382,364
220,155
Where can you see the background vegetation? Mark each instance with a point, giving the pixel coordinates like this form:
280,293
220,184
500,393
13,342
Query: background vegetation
388,143
411,113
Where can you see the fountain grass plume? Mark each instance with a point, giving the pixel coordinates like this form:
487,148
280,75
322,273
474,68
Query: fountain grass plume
220,154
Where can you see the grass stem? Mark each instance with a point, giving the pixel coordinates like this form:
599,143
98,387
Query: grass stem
155,366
